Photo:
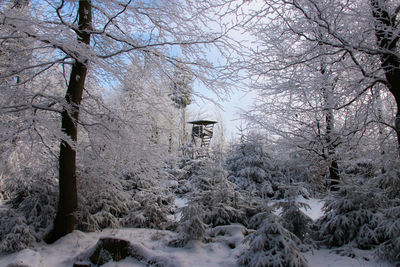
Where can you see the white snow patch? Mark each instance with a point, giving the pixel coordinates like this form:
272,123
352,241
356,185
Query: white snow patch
315,210
327,258
181,202
127,262
26,257
168,183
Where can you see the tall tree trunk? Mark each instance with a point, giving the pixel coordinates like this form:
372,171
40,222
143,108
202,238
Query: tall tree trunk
381,130
327,93
184,126
329,119
183,133
64,221
387,39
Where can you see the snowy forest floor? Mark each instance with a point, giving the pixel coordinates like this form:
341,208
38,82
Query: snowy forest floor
221,250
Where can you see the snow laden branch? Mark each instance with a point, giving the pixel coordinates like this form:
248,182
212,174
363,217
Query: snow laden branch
71,61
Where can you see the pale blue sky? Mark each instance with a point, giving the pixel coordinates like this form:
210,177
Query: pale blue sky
228,114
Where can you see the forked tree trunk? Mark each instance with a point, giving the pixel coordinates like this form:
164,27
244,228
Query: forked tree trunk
64,221
387,39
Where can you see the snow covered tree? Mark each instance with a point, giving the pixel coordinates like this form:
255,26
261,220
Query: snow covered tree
212,201
182,91
293,219
215,194
364,212
385,15
272,245
30,207
15,233
81,46
389,232
353,214
306,49
252,169
64,221
191,226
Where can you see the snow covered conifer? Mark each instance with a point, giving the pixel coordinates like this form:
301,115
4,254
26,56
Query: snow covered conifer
390,231
191,227
351,214
250,167
272,246
248,162
294,219
212,201
216,194
181,93
102,203
151,210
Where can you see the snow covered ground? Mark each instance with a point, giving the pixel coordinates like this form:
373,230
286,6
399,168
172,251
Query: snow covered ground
221,250
66,251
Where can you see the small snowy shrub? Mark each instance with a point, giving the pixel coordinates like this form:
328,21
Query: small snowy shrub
272,245
15,233
351,214
191,226
39,207
124,190
294,219
259,213
389,229
213,202
185,171
390,180
248,163
221,203
152,210
133,181
30,210
3,193
387,233
101,203
251,168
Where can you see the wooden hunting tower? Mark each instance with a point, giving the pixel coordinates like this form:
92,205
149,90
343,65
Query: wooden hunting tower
202,132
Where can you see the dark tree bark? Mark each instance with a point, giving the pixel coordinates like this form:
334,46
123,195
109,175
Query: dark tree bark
116,250
334,175
387,39
64,222
334,166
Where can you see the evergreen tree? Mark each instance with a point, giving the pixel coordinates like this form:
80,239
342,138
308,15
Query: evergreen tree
272,246
181,93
